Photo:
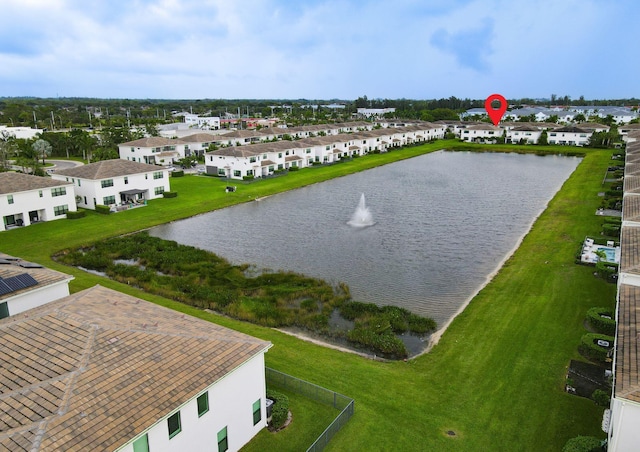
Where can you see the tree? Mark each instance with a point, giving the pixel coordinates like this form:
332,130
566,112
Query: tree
8,149
543,138
42,149
579,118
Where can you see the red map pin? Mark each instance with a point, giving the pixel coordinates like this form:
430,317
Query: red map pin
496,114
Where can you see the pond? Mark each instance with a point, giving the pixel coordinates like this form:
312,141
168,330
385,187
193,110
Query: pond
441,224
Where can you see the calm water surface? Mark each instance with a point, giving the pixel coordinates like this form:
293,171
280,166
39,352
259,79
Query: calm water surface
443,223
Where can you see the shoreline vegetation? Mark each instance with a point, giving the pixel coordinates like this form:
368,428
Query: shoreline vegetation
494,381
277,299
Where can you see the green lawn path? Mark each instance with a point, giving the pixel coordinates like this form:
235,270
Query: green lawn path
496,378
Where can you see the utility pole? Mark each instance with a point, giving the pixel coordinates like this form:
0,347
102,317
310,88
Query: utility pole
35,121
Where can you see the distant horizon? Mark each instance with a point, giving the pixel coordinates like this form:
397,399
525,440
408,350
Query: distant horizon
318,49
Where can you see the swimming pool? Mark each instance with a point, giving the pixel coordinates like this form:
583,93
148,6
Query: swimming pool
609,252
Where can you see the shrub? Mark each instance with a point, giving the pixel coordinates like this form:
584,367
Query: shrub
601,397
177,173
247,177
611,230
602,324
583,444
590,349
169,194
75,215
280,409
105,210
294,168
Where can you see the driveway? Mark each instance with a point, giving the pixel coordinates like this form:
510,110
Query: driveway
62,164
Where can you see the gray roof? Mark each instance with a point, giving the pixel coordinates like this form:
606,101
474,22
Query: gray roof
105,169
11,182
151,142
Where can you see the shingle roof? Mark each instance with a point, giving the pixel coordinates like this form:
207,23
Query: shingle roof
93,370
105,169
11,182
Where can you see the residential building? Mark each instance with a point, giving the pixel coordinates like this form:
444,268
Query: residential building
482,133
154,150
369,113
101,370
25,285
523,134
202,122
569,135
27,199
25,133
117,183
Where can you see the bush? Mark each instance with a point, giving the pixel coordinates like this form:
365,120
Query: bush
247,177
294,168
280,408
611,230
601,397
590,349
75,215
583,444
177,173
105,210
602,324
169,194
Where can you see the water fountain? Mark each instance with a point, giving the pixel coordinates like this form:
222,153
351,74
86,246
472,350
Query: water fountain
362,217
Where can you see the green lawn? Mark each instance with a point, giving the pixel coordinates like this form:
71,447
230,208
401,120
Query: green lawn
496,378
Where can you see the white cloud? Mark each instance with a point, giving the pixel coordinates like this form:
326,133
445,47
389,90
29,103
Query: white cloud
316,49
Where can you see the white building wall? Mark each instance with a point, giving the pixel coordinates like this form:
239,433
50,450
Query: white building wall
230,405
37,297
29,201
625,419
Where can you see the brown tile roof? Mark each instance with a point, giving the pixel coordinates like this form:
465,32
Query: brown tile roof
632,169
93,370
11,266
632,184
632,157
627,381
11,182
631,208
200,138
630,250
109,168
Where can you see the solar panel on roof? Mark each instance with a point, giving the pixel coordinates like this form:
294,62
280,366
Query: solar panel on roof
17,282
5,261
25,264
4,289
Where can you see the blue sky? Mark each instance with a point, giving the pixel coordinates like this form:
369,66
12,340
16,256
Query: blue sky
319,49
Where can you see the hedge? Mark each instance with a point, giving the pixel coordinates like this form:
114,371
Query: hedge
599,323
105,210
583,444
591,350
169,194
280,408
75,215
177,173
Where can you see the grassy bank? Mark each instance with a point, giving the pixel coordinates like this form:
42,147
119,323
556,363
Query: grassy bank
495,379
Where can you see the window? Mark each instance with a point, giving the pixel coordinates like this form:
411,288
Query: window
158,190
60,210
252,160
40,193
109,200
79,184
10,199
236,173
4,310
106,183
223,442
221,171
279,155
203,404
141,444
126,180
58,191
133,150
257,415
173,422
158,175
146,176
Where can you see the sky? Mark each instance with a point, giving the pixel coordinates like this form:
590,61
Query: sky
319,49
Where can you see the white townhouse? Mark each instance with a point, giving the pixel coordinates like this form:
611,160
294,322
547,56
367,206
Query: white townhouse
154,150
526,134
115,182
569,135
198,143
27,199
102,370
627,130
25,285
374,112
482,133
